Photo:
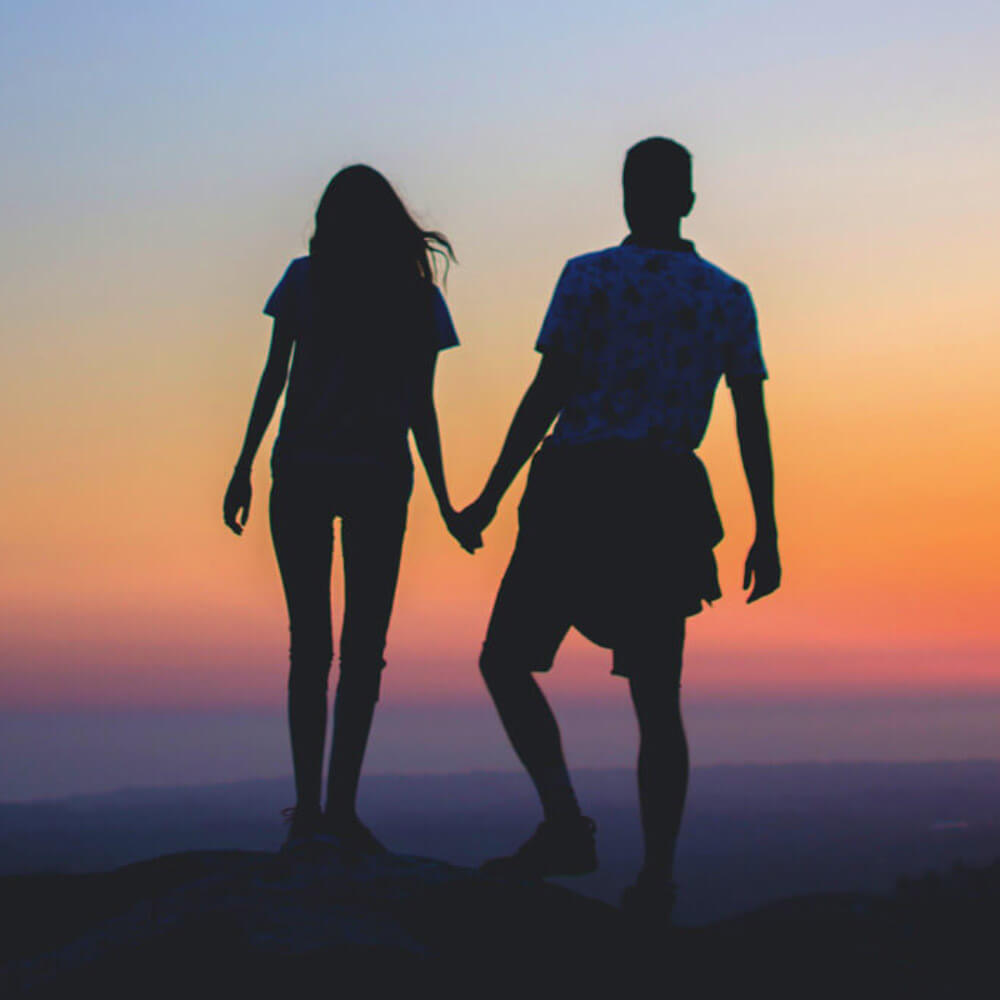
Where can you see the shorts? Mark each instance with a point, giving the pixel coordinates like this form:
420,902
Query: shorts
615,539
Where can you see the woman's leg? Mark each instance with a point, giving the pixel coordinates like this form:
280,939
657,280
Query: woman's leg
302,531
654,681
373,543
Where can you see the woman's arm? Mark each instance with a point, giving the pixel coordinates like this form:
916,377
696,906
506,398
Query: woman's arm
427,435
763,567
424,423
236,505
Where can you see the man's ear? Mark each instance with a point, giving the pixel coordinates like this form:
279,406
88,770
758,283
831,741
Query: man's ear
689,203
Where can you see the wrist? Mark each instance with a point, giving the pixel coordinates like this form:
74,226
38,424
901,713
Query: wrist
243,467
767,532
490,497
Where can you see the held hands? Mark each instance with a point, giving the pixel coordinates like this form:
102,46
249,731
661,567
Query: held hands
237,500
467,525
466,534
763,567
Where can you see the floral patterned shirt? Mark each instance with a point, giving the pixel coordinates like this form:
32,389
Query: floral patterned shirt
653,331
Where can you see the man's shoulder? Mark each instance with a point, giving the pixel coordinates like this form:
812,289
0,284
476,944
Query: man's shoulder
725,281
589,261
620,260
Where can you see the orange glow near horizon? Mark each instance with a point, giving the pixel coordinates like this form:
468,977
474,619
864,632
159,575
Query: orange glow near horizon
119,563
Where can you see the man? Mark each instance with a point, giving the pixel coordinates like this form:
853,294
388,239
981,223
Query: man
618,523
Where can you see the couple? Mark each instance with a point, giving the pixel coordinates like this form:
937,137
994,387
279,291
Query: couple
617,522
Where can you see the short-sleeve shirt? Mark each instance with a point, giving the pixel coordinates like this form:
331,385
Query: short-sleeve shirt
345,403
652,331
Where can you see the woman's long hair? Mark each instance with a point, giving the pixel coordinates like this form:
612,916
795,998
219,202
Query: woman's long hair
368,255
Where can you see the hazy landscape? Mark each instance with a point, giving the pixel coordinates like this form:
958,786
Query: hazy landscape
752,833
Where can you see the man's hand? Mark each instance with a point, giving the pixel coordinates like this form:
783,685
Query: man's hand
763,567
478,515
237,500
463,531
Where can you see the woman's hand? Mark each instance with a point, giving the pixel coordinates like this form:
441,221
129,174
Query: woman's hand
237,500
478,515
463,531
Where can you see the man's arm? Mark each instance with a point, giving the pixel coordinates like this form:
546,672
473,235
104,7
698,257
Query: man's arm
544,398
763,566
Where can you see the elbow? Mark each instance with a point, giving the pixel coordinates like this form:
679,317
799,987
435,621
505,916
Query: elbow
423,420
751,422
273,380
423,409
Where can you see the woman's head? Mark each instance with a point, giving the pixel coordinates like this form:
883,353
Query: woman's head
363,227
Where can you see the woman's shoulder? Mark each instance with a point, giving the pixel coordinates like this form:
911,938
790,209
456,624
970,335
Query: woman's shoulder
298,268
288,290
445,335
296,272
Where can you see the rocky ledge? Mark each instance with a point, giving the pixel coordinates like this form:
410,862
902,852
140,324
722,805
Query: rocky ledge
246,924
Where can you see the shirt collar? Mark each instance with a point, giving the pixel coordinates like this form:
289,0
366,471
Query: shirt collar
681,245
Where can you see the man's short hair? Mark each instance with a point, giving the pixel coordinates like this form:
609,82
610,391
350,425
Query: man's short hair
658,167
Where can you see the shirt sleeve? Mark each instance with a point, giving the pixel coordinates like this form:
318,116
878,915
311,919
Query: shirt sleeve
281,301
445,335
744,358
562,326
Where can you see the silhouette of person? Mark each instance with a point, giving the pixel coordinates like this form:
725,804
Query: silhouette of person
362,322
617,523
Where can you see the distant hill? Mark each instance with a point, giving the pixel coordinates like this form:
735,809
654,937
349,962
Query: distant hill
751,834
249,924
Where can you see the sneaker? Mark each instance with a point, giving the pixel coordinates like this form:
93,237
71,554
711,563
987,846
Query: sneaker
351,836
557,847
650,901
303,827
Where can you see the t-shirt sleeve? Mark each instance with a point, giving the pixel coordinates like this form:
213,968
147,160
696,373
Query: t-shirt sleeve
281,301
445,335
744,358
562,326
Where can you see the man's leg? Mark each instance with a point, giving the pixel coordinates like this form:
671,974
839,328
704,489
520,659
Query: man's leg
522,626
533,732
663,752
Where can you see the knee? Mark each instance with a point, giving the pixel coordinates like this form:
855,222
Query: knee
308,683
490,667
309,672
310,649
498,671
362,649
360,682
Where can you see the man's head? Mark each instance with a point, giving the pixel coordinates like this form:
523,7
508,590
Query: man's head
657,184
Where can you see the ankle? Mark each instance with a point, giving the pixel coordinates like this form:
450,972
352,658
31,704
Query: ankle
656,874
341,816
565,814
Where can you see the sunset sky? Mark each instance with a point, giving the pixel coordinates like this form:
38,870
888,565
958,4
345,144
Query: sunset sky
161,166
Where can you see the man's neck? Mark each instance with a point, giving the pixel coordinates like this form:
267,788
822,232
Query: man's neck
663,238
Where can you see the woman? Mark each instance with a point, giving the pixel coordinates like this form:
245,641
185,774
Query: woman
366,321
